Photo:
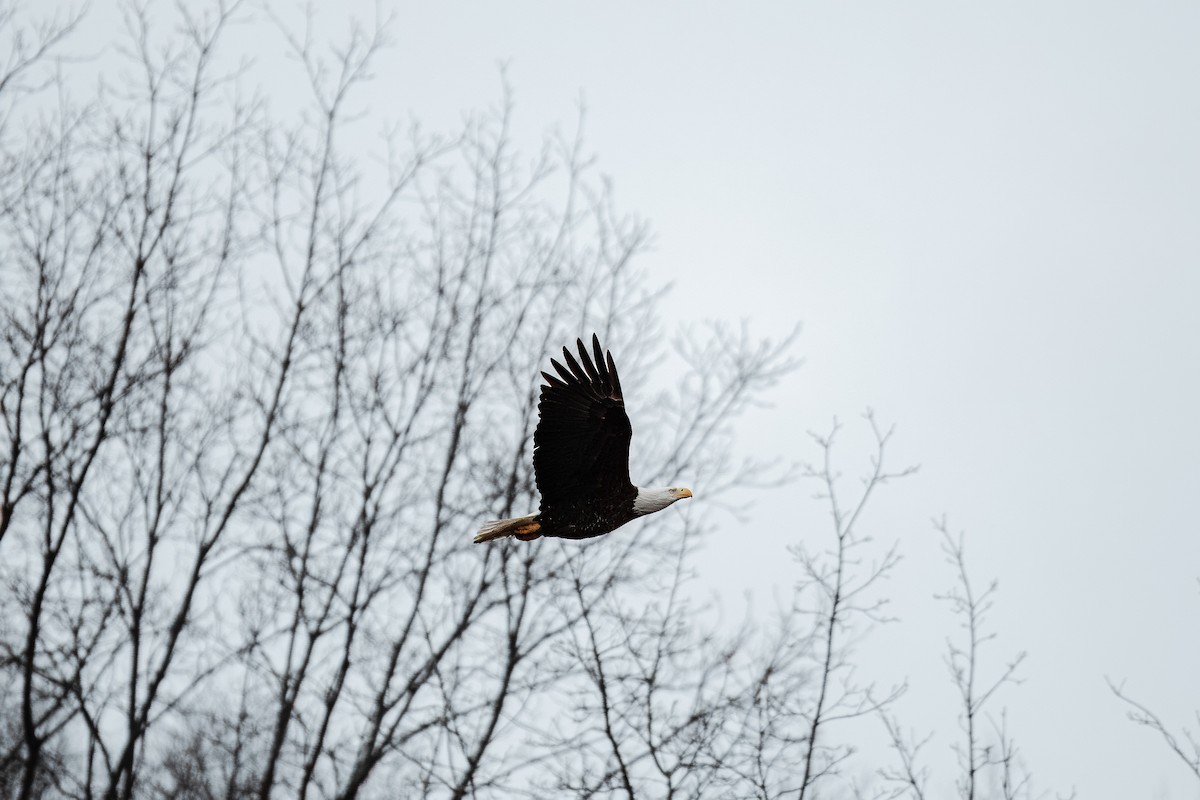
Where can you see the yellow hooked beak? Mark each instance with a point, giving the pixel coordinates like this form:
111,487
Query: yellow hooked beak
684,493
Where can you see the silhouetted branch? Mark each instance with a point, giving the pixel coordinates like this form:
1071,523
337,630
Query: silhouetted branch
912,779
1189,753
842,582
966,668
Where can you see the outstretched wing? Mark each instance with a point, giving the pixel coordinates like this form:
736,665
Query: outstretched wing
581,445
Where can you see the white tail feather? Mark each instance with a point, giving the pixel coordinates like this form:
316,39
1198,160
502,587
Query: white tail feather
524,528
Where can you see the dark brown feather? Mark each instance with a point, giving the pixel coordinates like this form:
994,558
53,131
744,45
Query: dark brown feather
581,445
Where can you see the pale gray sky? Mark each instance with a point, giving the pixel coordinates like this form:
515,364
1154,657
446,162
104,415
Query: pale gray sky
988,220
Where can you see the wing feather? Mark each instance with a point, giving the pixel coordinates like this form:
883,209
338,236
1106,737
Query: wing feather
616,381
598,354
588,367
581,445
553,381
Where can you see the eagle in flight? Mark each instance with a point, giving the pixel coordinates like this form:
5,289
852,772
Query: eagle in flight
581,456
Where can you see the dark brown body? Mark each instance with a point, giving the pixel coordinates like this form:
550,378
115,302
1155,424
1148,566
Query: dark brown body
592,517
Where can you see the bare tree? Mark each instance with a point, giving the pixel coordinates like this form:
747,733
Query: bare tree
979,752
261,376
988,758
117,245
256,396
677,711
843,582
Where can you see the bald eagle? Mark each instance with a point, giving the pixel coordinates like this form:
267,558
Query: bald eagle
581,456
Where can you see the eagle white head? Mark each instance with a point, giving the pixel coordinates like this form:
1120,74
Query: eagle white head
650,500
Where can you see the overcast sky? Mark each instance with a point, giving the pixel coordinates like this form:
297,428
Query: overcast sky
988,221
